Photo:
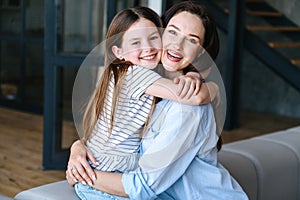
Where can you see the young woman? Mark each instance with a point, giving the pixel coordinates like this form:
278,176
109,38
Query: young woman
179,150
123,99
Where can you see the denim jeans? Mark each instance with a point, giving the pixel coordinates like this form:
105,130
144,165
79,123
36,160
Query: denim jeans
85,192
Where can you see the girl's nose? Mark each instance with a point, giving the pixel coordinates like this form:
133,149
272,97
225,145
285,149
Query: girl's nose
148,46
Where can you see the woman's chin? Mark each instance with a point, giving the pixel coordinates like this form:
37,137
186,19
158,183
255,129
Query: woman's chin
170,68
149,65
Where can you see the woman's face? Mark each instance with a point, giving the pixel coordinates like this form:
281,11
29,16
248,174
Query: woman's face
182,40
141,44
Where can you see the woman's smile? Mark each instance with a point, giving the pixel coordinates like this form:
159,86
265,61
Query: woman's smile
181,41
174,56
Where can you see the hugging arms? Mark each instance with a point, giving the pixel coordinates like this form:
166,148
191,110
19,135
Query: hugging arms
179,147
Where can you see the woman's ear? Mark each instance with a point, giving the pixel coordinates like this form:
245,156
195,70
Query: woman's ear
117,52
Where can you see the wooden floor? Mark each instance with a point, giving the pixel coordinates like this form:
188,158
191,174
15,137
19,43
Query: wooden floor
21,145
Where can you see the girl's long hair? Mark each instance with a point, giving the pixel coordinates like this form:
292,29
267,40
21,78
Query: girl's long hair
114,67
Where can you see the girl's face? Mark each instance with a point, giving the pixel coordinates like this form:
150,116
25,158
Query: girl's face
141,44
182,40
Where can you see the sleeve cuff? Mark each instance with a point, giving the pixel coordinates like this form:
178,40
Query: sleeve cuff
136,187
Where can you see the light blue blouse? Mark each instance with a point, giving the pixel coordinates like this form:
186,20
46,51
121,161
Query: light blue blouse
179,158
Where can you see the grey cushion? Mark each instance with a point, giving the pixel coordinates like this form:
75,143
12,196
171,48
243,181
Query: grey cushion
2,197
60,190
270,172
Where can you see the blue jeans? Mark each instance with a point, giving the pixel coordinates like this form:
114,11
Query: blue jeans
85,192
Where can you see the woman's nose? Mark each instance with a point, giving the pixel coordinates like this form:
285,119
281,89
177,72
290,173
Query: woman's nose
178,43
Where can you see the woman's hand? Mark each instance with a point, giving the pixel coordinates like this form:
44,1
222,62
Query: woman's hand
79,170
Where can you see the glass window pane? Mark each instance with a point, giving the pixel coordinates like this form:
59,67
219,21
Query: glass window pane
34,75
80,25
35,18
10,15
9,69
69,134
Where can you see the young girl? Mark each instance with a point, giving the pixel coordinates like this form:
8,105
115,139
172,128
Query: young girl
123,100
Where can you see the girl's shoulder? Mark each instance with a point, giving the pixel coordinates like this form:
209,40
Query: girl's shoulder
141,71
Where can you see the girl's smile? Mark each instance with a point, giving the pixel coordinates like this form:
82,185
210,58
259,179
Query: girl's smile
141,44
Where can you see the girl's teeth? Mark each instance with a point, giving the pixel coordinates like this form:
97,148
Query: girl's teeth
149,57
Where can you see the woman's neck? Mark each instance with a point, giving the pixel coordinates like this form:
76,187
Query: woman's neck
167,74
171,75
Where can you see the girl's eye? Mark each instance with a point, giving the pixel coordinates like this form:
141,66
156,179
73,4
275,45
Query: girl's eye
154,37
135,43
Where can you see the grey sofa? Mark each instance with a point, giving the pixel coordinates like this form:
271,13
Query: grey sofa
267,167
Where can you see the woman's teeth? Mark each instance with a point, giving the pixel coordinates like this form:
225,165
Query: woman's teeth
174,55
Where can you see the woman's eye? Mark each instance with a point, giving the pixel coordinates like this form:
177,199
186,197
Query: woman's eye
172,32
192,40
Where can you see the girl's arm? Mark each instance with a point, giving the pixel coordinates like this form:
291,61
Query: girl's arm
209,90
167,89
187,89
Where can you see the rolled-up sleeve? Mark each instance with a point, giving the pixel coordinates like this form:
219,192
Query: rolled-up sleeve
176,135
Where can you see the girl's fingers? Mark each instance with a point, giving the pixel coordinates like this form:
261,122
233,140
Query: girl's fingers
197,88
180,86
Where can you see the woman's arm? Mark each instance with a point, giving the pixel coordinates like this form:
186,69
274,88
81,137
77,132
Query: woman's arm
110,183
79,170
78,167
181,142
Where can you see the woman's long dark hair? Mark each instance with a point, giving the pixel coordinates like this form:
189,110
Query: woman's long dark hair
211,38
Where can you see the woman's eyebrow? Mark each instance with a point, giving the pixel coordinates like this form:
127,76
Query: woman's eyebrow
175,27
190,34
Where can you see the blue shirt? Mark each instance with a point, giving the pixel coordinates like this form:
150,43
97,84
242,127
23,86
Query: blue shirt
179,158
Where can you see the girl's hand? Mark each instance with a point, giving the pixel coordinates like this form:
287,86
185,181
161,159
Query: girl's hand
190,84
214,93
78,167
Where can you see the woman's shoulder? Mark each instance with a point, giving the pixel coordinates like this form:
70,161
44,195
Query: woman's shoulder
191,111
195,108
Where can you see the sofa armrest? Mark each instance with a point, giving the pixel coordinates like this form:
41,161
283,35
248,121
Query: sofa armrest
267,167
60,190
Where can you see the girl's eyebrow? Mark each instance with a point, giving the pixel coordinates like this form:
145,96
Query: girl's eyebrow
178,29
137,38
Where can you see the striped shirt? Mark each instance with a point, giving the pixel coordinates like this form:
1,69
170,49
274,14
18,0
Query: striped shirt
119,151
